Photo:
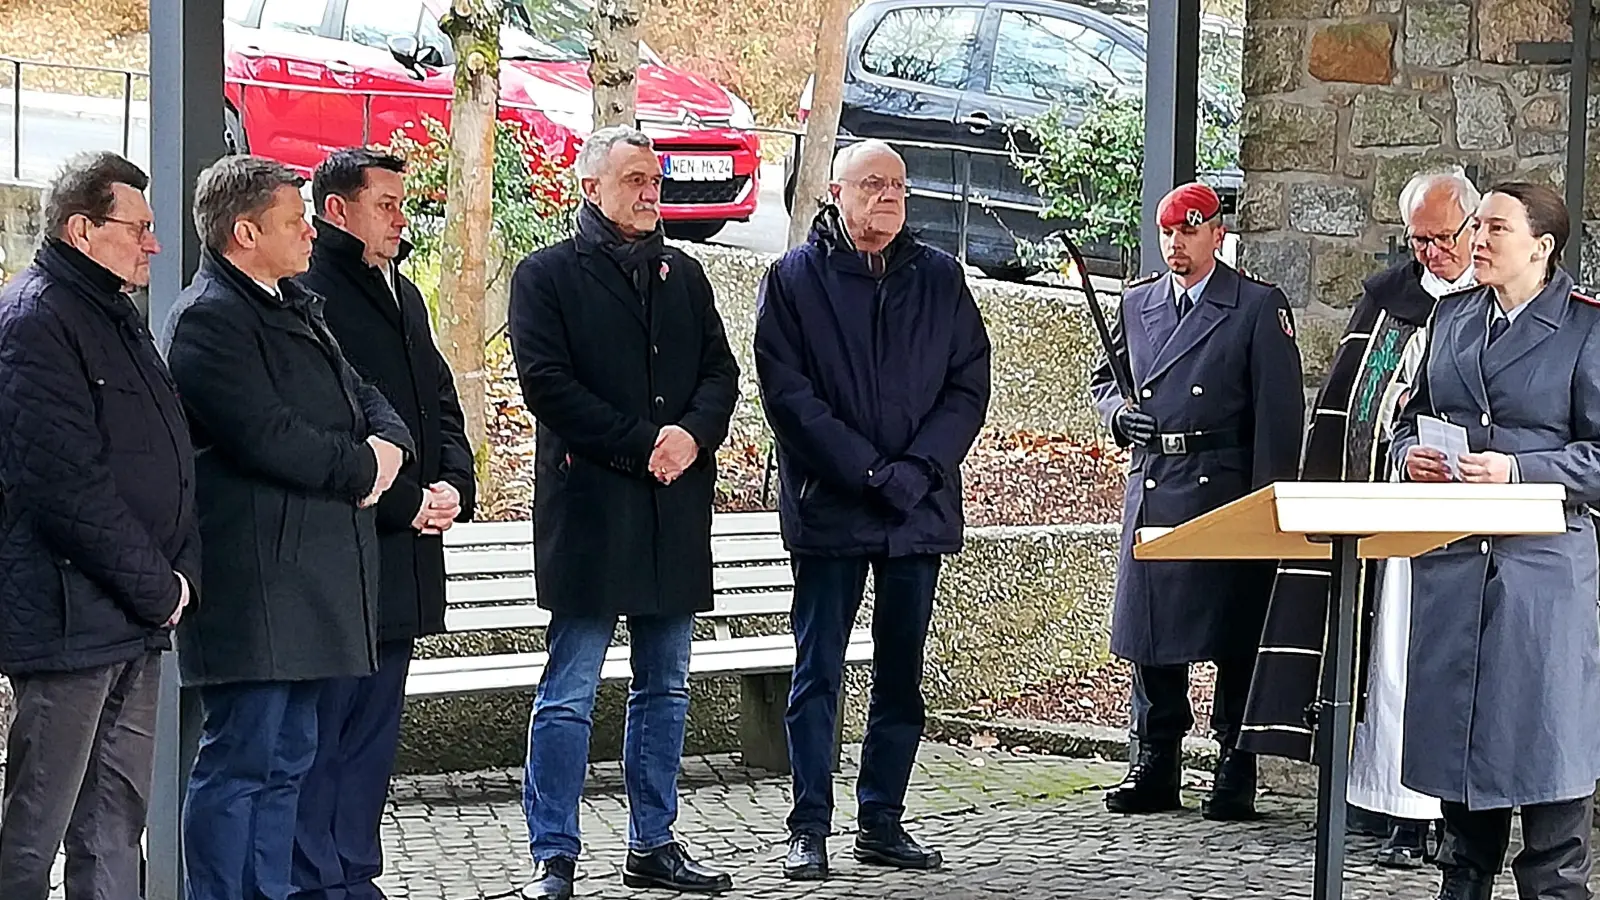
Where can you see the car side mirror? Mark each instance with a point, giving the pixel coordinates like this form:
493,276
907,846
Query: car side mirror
403,47
432,57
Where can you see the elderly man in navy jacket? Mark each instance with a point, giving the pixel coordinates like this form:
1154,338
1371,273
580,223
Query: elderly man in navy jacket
99,541
873,363
1216,411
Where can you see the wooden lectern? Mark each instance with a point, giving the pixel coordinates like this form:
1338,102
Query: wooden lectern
1348,523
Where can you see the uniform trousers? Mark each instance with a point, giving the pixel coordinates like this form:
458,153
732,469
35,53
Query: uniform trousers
1161,712
1554,861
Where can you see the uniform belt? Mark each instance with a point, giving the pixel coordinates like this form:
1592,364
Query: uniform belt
1181,443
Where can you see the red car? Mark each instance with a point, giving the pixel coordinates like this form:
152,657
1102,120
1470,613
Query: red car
307,77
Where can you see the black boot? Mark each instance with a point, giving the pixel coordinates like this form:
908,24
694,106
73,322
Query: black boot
552,880
1233,789
889,845
807,859
672,867
1462,883
1153,782
1403,849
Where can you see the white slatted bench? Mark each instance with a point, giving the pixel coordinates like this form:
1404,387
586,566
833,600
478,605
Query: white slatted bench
491,587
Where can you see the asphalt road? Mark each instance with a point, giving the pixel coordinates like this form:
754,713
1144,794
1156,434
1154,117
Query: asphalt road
50,134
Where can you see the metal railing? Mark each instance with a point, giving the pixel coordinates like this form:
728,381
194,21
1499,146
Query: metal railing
19,67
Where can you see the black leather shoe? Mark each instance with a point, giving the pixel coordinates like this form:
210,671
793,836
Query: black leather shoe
1403,849
1233,790
552,880
672,868
891,846
807,859
1152,784
1461,883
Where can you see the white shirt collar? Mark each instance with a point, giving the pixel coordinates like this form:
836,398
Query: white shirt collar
271,289
1437,287
1196,292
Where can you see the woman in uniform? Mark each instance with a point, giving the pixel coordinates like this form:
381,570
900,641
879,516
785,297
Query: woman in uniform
1503,709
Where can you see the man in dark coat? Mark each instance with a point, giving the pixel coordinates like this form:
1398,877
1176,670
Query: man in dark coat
626,369
294,451
99,543
874,369
1216,412
381,323
1349,441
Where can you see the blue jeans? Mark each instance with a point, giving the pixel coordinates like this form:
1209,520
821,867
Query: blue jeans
256,746
558,731
337,851
827,594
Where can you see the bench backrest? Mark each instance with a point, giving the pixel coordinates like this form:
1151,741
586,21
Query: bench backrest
490,570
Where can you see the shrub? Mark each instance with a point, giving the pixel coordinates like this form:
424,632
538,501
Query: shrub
534,198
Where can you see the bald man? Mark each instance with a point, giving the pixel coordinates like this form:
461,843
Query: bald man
1216,412
873,363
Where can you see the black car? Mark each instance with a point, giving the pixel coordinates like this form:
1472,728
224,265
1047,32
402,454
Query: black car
928,76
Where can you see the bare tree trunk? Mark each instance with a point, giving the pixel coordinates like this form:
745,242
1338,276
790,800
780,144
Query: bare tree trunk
614,61
474,30
822,123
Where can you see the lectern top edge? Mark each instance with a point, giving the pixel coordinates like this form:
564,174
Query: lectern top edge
1406,490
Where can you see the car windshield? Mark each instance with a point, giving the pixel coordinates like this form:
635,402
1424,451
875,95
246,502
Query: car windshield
562,26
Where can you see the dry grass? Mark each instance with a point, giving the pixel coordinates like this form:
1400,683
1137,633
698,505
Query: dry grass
109,33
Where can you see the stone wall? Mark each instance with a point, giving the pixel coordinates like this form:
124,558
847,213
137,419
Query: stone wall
19,226
1346,99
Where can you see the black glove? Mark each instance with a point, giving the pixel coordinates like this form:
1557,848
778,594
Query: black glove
1132,426
902,484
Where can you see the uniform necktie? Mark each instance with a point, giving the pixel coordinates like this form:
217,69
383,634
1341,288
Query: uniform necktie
1185,304
1497,328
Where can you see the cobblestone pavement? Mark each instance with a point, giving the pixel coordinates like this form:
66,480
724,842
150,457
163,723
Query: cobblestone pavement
1024,827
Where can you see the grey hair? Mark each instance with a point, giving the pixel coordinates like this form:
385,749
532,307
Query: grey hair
83,187
843,159
234,188
596,150
1454,177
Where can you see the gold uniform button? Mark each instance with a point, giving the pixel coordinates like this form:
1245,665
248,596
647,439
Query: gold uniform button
1483,547
1204,480
1485,420
1146,393
1149,483
1197,390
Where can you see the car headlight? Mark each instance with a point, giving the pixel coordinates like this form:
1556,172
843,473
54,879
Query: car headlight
742,118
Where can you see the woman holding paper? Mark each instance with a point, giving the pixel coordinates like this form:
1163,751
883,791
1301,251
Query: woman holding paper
1503,709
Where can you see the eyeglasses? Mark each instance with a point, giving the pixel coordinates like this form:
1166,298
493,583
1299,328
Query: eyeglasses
1446,242
141,229
878,185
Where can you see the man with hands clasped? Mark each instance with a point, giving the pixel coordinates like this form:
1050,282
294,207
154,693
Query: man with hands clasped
295,450
382,325
624,364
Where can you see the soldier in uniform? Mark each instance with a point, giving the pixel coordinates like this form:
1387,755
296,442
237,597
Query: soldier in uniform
1216,411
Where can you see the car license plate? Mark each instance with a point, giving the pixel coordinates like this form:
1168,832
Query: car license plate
697,168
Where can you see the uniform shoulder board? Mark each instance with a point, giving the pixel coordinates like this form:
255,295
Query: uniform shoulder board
1251,278
1588,298
1459,293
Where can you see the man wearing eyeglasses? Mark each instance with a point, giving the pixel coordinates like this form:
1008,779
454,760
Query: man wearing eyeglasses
873,364
99,541
1366,386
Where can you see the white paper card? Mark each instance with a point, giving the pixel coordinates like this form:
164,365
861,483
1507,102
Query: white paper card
1451,440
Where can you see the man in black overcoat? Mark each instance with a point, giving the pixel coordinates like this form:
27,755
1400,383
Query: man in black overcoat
626,369
294,450
1213,411
382,324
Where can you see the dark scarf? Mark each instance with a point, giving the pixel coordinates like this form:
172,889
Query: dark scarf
636,258
829,228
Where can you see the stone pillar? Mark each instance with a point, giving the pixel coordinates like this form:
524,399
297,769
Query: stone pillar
1346,99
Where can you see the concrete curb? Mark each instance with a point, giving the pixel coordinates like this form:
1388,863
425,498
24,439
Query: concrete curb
1277,776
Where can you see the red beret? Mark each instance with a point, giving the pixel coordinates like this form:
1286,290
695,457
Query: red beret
1188,204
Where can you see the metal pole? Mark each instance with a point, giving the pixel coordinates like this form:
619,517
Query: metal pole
1333,721
1577,135
1171,98
966,206
127,110
16,119
186,135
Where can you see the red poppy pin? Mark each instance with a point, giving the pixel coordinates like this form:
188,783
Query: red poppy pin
665,270
1286,321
